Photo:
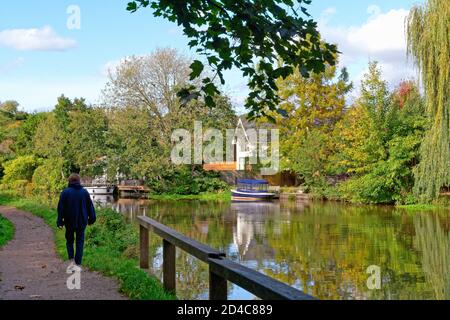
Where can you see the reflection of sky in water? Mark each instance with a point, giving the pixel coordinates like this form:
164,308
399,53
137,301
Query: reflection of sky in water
321,248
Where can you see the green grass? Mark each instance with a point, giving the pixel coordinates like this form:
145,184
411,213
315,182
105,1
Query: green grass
420,207
6,231
223,197
110,248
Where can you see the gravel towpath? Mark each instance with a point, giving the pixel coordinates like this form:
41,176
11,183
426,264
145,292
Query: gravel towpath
31,270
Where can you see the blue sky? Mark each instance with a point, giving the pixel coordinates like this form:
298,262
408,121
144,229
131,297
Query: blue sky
40,58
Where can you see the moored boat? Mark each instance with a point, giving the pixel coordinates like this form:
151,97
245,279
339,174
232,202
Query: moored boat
251,191
100,190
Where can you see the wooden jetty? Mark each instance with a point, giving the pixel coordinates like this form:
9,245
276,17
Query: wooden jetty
295,196
133,191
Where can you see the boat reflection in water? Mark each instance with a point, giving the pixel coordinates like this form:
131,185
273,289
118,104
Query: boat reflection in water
250,220
103,200
132,208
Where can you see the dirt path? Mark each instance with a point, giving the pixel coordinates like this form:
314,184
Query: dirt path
30,269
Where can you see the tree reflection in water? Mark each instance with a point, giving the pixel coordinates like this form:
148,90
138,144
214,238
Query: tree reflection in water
434,245
323,248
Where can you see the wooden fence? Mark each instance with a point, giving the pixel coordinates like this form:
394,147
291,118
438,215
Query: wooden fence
221,269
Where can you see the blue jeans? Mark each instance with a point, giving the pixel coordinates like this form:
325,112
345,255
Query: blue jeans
75,235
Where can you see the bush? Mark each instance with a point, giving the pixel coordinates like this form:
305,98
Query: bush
21,187
184,181
387,183
113,232
369,188
21,168
48,179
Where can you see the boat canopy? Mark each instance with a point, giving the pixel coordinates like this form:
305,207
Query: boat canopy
253,182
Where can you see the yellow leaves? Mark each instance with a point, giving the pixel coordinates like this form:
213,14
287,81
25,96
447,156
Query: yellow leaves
314,106
352,137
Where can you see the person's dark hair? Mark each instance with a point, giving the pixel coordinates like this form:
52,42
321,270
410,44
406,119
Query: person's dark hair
74,178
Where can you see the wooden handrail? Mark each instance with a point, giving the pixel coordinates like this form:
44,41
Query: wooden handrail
255,282
221,269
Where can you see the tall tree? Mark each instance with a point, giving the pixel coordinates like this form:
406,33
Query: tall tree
87,140
428,30
377,142
375,96
9,107
312,106
10,122
150,83
24,143
144,109
50,140
237,34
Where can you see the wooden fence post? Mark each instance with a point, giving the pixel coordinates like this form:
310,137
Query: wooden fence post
169,272
217,287
144,248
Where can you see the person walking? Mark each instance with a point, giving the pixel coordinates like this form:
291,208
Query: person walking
75,212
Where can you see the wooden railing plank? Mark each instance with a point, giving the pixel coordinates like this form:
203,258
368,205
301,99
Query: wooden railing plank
195,248
255,282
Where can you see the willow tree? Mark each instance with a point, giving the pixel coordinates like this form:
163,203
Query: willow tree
428,31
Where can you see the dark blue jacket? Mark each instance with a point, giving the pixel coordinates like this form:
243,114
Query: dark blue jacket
75,208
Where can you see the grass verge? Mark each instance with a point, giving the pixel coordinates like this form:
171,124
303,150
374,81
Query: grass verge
110,248
420,207
6,231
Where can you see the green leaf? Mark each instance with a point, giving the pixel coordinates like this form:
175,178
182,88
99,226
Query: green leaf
197,68
132,6
210,89
271,119
210,102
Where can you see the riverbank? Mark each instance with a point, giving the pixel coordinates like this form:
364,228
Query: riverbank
422,207
110,248
334,194
6,231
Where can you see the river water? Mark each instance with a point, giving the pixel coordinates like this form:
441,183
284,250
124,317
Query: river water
322,248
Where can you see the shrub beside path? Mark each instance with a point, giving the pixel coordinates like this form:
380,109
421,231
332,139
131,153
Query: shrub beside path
31,270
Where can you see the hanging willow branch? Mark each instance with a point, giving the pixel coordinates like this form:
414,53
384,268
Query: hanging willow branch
428,33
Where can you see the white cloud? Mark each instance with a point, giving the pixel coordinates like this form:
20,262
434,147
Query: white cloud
381,37
43,39
380,34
